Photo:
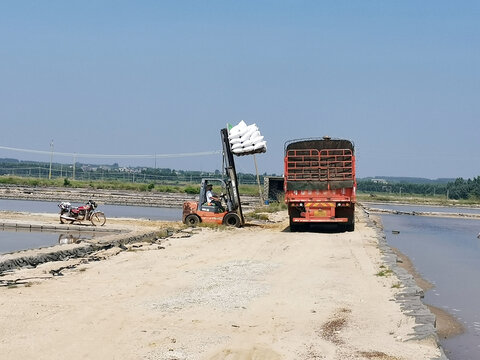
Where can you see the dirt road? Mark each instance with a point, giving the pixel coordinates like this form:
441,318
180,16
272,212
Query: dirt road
259,292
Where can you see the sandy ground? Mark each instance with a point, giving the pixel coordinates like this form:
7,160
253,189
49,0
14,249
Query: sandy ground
259,292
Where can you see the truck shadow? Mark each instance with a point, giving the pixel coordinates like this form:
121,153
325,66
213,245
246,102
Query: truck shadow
317,228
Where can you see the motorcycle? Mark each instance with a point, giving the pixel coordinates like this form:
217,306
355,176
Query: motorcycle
70,214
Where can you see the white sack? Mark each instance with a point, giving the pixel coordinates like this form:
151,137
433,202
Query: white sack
250,130
238,128
261,144
248,148
252,141
255,134
235,141
242,150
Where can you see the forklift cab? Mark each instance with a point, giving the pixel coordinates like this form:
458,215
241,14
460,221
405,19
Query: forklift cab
202,202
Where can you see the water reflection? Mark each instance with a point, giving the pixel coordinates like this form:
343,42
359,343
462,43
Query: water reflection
12,240
70,239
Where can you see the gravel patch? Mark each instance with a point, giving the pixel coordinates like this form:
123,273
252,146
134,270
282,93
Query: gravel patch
229,286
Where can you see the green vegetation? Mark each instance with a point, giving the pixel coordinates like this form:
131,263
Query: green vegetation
257,215
261,212
384,272
89,172
465,191
276,206
117,185
113,177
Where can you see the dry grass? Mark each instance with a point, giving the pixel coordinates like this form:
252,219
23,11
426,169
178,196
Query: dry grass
331,329
377,355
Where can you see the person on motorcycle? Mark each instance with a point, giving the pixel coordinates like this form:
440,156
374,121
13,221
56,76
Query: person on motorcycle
212,198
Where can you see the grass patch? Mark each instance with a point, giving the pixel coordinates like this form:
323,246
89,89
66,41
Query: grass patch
385,272
214,226
257,216
160,187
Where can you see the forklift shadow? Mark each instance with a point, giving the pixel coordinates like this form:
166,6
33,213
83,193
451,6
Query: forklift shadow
317,228
251,225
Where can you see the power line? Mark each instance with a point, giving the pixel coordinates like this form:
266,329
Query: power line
110,156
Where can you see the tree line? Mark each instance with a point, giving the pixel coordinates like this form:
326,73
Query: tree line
458,189
89,172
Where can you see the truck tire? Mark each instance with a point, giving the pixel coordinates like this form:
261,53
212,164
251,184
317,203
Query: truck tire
350,227
293,226
232,219
192,220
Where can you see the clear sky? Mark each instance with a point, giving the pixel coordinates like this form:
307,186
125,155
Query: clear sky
399,78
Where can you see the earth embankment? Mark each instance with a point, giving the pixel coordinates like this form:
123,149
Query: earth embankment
258,292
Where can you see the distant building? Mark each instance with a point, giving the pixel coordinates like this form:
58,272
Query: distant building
380,181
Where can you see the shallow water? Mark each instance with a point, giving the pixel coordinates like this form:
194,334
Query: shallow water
152,213
445,252
422,208
11,241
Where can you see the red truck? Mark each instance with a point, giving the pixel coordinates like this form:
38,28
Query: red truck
319,182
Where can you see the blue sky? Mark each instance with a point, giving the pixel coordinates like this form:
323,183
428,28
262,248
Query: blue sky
399,78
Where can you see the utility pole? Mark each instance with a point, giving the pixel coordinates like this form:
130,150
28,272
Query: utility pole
51,156
258,180
74,161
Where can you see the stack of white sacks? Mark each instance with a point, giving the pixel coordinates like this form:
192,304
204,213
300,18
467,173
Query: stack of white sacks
246,139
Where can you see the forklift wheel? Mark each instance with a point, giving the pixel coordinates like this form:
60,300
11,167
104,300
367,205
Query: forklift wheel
192,220
231,219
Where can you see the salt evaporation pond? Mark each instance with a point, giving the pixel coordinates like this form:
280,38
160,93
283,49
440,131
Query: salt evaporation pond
446,252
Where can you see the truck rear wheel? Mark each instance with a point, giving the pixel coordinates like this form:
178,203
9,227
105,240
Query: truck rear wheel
232,219
350,226
351,220
293,226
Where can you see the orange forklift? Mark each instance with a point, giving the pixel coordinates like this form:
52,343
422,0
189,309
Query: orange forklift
201,211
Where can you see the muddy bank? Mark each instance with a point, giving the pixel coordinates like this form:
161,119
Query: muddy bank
458,214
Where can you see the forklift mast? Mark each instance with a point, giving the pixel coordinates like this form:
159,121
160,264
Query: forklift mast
231,173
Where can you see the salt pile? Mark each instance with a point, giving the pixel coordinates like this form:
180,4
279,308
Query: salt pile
246,139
